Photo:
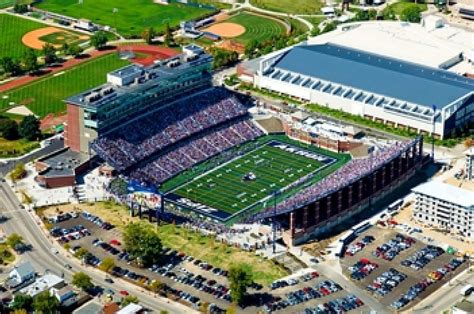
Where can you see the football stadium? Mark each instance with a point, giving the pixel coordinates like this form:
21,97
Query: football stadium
165,126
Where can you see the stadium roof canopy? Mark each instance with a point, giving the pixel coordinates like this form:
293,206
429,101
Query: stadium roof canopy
377,74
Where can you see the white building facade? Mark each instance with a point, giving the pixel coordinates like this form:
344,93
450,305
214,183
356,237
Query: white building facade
445,206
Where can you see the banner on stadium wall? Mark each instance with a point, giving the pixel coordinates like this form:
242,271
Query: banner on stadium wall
145,196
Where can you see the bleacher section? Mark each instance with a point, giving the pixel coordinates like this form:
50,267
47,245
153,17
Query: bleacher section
163,143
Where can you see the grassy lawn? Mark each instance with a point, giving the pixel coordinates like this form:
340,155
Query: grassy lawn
214,3
16,148
290,6
132,15
315,20
12,29
46,95
256,27
402,5
183,240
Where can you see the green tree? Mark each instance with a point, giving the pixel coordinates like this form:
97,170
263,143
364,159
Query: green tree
240,278
129,299
148,34
45,303
372,14
389,13
75,50
8,129
82,281
156,286
49,53
99,40
18,173
362,15
30,61
411,13
14,239
9,65
21,301
81,252
169,39
20,8
107,264
29,128
330,26
143,243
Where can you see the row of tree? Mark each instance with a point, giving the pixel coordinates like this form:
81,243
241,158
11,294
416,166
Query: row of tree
28,128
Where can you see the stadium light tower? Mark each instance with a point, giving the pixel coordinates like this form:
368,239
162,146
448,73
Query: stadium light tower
433,132
275,193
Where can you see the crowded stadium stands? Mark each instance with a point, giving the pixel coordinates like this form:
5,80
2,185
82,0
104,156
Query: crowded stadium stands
349,173
152,133
196,150
159,145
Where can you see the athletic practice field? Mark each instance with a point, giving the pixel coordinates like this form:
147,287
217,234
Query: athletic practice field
256,27
130,17
275,165
12,29
290,6
46,95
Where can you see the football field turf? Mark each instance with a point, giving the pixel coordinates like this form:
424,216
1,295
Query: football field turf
226,189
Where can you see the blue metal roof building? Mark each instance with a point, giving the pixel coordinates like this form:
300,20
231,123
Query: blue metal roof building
386,89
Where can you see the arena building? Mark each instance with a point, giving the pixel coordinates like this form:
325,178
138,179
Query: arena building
360,69
132,91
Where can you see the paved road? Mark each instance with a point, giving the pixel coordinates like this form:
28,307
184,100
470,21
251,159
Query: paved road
42,257
8,165
446,296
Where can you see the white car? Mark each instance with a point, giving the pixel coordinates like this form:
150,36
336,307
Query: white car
54,250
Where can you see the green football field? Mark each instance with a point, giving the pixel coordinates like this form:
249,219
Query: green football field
225,188
12,29
46,95
129,17
257,27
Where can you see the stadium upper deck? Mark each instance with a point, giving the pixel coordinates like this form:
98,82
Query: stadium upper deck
134,90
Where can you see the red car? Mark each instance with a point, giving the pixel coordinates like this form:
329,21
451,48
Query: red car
124,292
115,242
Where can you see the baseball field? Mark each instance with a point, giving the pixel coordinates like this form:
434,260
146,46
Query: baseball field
12,29
47,94
128,17
254,27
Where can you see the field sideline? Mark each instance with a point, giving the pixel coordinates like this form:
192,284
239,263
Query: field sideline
46,95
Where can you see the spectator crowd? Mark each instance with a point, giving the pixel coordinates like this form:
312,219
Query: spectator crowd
349,173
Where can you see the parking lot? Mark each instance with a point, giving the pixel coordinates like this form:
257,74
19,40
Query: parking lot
192,281
395,268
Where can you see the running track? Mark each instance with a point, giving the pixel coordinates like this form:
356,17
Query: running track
26,79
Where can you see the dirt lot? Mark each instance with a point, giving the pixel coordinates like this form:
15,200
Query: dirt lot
382,236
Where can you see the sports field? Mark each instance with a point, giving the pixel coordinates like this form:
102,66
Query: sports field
290,6
12,29
257,27
10,3
252,177
46,95
131,16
